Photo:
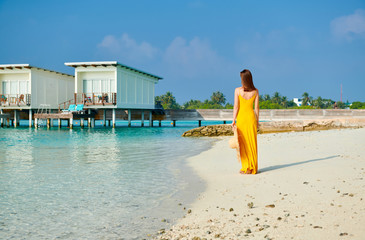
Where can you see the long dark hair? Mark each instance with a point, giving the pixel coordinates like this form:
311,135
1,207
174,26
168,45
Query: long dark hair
246,80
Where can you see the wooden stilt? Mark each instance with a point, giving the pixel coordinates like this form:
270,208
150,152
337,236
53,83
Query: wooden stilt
36,122
82,123
104,118
151,119
174,123
159,123
142,118
129,117
200,123
224,122
48,123
71,123
59,123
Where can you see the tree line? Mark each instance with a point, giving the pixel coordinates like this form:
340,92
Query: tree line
275,101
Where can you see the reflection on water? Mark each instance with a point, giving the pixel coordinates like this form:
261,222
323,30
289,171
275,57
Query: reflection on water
88,183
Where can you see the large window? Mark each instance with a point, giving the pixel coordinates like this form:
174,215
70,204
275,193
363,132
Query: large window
15,87
99,86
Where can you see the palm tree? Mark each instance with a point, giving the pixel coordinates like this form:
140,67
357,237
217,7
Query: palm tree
276,98
284,102
218,98
318,103
266,97
305,99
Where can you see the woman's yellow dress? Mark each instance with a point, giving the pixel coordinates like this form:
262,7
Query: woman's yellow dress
247,134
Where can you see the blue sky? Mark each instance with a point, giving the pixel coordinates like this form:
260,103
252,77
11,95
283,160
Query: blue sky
199,46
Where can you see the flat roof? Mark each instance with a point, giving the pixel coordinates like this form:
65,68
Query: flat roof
108,63
27,66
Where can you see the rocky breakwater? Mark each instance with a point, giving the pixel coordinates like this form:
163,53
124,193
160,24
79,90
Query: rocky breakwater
279,126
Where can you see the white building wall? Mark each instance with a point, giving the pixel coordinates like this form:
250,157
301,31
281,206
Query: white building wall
50,88
135,90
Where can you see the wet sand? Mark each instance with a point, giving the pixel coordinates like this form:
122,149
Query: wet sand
310,185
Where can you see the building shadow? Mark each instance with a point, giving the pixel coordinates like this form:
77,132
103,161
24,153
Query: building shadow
266,169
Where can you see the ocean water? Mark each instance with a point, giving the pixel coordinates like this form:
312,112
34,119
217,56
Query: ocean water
99,183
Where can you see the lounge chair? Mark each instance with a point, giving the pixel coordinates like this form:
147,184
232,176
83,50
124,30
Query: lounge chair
71,108
80,108
21,99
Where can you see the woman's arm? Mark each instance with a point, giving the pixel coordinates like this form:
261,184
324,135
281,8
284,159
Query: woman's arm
236,107
257,107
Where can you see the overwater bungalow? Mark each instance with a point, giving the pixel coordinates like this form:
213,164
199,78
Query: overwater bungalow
112,85
24,88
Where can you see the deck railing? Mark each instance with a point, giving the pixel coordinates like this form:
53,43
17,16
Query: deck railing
12,100
89,99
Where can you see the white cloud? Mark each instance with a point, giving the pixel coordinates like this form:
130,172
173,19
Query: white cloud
127,48
193,58
351,26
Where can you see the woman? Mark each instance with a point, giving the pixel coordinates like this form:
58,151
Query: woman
247,122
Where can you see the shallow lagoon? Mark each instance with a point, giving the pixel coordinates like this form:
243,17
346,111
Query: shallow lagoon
94,183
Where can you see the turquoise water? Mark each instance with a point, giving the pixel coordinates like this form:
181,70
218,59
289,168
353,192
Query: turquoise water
97,183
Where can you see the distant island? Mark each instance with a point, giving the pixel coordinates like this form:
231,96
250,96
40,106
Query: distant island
276,101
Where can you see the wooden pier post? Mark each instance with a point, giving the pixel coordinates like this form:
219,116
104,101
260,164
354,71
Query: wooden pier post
113,118
48,123
142,118
30,117
159,123
71,123
89,119
2,120
92,122
8,122
224,122
36,123
52,122
200,123
82,123
109,123
174,123
104,118
129,117
15,122
151,119
59,123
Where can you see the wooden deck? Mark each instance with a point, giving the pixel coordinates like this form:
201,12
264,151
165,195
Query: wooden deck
71,115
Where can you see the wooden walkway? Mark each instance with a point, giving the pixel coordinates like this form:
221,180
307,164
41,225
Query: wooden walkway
69,116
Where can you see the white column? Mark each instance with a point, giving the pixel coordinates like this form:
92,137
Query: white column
30,117
36,122
15,118
142,118
2,119
71,123
82,123
113,117
59,123
89,119
52,122
129,117
92,122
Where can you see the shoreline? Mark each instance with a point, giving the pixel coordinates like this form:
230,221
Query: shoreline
309,186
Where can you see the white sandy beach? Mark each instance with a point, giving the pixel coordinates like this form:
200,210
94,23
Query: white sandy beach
314,179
